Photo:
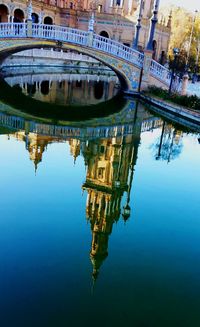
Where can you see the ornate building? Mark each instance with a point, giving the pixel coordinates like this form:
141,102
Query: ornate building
115,19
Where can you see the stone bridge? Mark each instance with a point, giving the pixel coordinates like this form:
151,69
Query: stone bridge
134,69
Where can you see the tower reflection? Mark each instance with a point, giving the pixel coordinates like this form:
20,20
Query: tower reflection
110,171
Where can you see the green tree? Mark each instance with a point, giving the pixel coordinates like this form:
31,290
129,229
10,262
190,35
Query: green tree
185,35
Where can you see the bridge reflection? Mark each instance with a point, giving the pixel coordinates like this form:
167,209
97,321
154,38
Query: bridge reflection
115,125
68,87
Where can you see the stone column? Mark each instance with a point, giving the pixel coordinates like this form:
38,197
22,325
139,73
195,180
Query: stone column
145,80
91,30
29,21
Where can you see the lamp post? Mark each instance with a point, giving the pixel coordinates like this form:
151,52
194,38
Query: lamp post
176,53
138,26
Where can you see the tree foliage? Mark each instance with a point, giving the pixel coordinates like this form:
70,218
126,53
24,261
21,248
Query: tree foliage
185,36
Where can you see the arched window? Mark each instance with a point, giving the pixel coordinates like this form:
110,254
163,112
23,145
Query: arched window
3,14
48,20
18,16
35,18
104,34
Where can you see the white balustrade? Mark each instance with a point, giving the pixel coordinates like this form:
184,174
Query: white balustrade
59,33
8,30
164,75
160,72
118,49
71,35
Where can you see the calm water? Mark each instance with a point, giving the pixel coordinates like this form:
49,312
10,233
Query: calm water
99,221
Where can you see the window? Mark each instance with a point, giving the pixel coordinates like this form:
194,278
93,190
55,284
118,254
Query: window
102,149
101,173
100,7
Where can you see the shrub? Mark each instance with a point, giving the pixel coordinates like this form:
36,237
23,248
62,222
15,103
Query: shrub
192,101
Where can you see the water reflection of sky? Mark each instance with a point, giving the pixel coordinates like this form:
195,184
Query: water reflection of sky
151,274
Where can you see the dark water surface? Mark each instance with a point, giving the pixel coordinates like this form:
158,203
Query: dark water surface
99,221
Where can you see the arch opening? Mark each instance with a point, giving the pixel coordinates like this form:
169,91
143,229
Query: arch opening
18,16
48,20
98,90
3,14
35,18
45,87
31,88
104,34
122,79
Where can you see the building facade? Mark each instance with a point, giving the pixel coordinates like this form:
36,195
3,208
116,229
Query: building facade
115,19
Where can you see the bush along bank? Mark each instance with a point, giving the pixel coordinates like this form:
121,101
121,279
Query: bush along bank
190,102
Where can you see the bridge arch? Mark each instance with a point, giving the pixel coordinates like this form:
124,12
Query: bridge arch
114,64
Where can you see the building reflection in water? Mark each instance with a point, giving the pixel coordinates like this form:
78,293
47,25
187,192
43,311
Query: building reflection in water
109,160
110,168
77,87
35,143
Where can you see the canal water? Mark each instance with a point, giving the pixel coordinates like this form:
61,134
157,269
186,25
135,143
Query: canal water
99,218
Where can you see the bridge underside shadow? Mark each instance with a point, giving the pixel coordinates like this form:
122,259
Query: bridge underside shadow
129,75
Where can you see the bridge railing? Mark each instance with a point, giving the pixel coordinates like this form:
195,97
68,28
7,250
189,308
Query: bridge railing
13,30
71,35
60,33
160,72
164,75
110,46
